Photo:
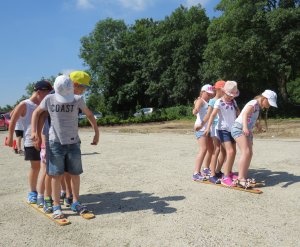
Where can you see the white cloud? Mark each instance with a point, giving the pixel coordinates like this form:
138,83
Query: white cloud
137,5
84,4
190,3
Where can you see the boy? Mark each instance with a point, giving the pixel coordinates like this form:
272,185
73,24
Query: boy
64,143
23,112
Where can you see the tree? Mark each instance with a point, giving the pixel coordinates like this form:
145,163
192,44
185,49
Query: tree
255,43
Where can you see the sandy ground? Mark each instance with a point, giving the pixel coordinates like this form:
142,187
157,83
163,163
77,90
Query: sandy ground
139,186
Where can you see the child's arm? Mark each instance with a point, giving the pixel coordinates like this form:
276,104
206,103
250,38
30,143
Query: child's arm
210,121
205,119
197,105
19,111
92,120
35,127
245,115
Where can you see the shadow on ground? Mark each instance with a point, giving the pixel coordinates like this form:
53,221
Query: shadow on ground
128,201
90,153
272,178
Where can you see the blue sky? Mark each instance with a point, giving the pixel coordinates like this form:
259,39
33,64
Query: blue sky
41,38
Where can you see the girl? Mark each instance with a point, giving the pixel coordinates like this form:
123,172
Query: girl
205,143
217,158
242,131
227,110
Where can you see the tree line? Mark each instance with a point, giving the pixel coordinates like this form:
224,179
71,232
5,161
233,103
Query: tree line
164,63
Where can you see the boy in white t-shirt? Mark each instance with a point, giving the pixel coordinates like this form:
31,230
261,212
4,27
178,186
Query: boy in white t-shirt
64,143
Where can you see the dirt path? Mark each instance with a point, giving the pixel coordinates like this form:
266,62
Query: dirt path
139,186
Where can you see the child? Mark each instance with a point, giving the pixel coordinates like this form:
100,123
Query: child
19,131
218,155
23,111
81,81
242,131
227,110
205,142
64,143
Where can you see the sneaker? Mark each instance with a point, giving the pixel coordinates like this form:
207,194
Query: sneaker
219,174
205,172
233,176
80,209
198,177
214,180
40,201
68,201
48,209
227,181
32,197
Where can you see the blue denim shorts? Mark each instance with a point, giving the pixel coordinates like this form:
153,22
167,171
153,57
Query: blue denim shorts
63,158
237,131
225,136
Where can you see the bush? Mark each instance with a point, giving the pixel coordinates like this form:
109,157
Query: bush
159,115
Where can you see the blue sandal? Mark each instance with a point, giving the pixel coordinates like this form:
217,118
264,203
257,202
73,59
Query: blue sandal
80,209
32,197
57,213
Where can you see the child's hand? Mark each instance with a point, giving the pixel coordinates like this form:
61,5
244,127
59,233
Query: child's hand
246,131
198,127
95,140
206,132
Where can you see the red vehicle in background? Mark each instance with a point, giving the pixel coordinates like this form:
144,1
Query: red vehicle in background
4,121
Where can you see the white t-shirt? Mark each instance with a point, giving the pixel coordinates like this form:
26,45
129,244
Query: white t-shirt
226,114
252,117
64,118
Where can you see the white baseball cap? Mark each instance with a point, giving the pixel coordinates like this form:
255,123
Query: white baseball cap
64,89
271,96
208,88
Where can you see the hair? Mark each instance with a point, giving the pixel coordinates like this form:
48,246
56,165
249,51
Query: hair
263,112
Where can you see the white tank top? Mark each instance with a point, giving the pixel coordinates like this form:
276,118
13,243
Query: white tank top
26,122
200,115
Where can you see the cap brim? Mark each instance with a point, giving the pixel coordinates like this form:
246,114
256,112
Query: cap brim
64,99
272,103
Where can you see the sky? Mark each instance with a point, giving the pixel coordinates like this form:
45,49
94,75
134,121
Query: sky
41,38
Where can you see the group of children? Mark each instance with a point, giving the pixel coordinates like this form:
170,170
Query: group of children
51,141
219,126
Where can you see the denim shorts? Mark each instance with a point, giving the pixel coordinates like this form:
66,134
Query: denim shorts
225,136
199,134
63,158
237,131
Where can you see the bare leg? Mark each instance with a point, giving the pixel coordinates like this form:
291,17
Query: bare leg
202,141
68,184
230,149
41,179
33,174
245,146
75,183
209,152
56,183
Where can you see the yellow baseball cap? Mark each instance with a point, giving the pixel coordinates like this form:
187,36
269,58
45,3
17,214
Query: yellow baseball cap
80,77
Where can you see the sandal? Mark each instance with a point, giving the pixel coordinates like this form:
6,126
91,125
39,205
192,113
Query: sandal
243,184
57,213
32,197
48,205
80,209
251,180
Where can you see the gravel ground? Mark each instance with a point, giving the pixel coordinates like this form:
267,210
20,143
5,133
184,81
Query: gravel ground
139,186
